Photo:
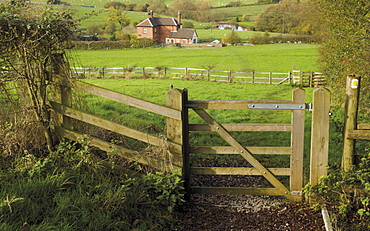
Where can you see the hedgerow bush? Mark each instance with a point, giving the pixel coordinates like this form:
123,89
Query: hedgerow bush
108,45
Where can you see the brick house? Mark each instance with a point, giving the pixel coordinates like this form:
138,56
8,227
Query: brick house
165,30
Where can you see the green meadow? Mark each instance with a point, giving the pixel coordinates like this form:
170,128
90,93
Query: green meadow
259,58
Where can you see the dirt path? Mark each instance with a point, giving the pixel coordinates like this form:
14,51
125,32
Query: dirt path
225,212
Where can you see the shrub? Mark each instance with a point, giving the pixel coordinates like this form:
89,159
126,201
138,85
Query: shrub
348,191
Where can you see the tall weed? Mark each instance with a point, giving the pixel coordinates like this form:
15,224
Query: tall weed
71,190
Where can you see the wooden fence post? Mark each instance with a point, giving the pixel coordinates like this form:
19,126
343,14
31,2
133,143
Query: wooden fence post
178,132
270,78
297,140
230,78
252,76
319,134
350,120
63,92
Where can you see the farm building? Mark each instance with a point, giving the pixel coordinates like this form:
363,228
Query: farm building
165,30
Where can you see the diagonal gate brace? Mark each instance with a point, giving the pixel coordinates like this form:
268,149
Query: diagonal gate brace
244,152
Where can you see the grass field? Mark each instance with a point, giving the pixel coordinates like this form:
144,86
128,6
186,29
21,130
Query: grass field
263,58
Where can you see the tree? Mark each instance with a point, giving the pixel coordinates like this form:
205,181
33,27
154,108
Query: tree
118,15
158,6
232,38
286,17
346,45
31,49
94,29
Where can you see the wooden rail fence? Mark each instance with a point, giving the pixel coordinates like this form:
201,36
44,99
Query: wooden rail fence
305,79
178,128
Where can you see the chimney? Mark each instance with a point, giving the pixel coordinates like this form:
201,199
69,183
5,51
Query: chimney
150,14
179,17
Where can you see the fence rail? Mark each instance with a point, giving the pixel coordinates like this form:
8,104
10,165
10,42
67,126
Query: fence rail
306,79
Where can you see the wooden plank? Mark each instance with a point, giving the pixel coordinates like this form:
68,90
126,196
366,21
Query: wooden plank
237,191
126,99
359,134
244,152
236,171
120,129
230,150
319,134
244,127
121,151
363,126
233,104
297,143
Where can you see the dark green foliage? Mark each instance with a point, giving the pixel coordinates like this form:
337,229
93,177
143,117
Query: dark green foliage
98,45
349,192
346,46
264,39
268,1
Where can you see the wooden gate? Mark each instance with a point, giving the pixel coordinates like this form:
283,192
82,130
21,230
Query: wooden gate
297,107
178,128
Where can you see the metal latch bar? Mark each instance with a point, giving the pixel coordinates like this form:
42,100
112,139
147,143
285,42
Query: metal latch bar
280,106
296,193
191,105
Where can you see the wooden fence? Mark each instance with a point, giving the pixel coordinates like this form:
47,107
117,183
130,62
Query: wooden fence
177,135
306,79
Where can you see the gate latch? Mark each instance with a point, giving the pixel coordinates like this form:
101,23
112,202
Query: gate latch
281,106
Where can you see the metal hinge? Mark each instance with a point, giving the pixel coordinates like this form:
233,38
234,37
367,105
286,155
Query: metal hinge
281,106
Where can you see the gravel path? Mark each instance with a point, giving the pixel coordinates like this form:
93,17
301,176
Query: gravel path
230,212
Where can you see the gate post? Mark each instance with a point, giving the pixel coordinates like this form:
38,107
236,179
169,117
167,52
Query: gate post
319,134
350,120
297,139
63,92
178,132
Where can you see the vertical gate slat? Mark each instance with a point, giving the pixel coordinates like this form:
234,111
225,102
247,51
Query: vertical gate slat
297,143
319,134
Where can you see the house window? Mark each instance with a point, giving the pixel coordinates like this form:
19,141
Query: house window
155,30
144,31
